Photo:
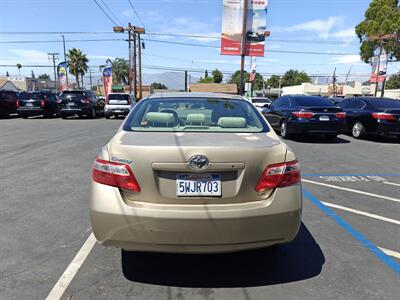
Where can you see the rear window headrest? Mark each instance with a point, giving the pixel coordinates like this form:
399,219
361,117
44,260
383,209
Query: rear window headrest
195,118
159,117
232,122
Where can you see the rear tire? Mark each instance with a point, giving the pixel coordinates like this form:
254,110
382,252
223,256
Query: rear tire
358,130
107,116
92,114
284,130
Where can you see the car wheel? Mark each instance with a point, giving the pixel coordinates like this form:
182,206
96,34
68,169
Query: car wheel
358,130
92,114
284,130
107,116
64,116
24,116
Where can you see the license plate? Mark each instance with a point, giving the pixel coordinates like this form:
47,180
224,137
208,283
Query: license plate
190,185
71,103
29,104
118,111
324,118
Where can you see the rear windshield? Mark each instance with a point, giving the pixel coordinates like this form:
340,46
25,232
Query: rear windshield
195,115
385,103
27,96
310,102
73,95
261,100
118,97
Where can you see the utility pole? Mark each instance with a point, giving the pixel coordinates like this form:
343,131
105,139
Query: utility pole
243,47
140,64
65,59
186,80
90,78
130,57
54,56
334,83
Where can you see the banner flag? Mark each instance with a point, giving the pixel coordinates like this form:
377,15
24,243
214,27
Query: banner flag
379,75
62,76
252,73
232,26
107,80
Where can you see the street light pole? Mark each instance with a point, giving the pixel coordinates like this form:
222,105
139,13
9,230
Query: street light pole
243,47
65,59
130,58
54,56
140,65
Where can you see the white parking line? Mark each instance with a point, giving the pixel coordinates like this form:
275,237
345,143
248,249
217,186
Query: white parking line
391,183
73,268
390,252
352,190
363,213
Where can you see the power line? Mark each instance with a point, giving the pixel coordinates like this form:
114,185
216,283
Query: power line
108,8
105,13
57,41
137,15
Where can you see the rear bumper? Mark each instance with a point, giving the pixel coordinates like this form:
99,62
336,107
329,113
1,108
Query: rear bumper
194,228
75,111
31,111
117,109
317,127
388,129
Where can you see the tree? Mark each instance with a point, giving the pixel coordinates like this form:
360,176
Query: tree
294,77
7,74
206,74
32,74
120,67
77,62
44,77
393,82
206,80
19,66
158,86
273,81
257,84
381,18
217,76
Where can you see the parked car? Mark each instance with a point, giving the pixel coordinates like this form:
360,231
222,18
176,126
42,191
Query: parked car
118,104
8,103
261,102
80,103
295,115
379,116
37,104
207,176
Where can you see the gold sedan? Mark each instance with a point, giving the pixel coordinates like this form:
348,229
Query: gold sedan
195,173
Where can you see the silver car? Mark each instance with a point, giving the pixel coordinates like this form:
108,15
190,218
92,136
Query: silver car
118,104
195,173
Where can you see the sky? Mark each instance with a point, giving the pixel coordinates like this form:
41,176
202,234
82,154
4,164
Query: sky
296,25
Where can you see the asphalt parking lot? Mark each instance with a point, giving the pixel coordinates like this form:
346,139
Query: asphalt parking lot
347,248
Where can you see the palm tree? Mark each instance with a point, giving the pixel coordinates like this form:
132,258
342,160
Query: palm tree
120,67
77,62
19,66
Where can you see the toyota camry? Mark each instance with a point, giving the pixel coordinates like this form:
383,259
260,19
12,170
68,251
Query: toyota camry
195,173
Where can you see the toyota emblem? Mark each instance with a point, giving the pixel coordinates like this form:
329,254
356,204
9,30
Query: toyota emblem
198,162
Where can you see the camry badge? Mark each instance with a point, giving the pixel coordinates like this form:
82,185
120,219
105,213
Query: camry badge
198,162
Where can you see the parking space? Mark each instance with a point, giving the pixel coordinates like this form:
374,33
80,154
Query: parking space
348,246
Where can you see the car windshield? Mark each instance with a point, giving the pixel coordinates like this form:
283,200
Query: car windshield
118,97
195,115
310,102
73,95
27,96
385,103
261,100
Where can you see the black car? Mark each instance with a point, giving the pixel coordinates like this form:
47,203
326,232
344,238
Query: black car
37,104
80,103
379,116
8,103
295,115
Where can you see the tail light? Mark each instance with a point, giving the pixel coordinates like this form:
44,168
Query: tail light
383,116
279,175
341,115
18,105
114,174
85,101
303,114
42,103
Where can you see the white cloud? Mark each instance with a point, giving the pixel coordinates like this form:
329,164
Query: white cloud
100,57
347,59
29,56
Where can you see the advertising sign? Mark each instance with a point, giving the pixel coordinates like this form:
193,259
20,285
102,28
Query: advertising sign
252,73
107,80
232,26
379,74
62,76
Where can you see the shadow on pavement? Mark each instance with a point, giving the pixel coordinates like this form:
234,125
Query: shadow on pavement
315,139
296,261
